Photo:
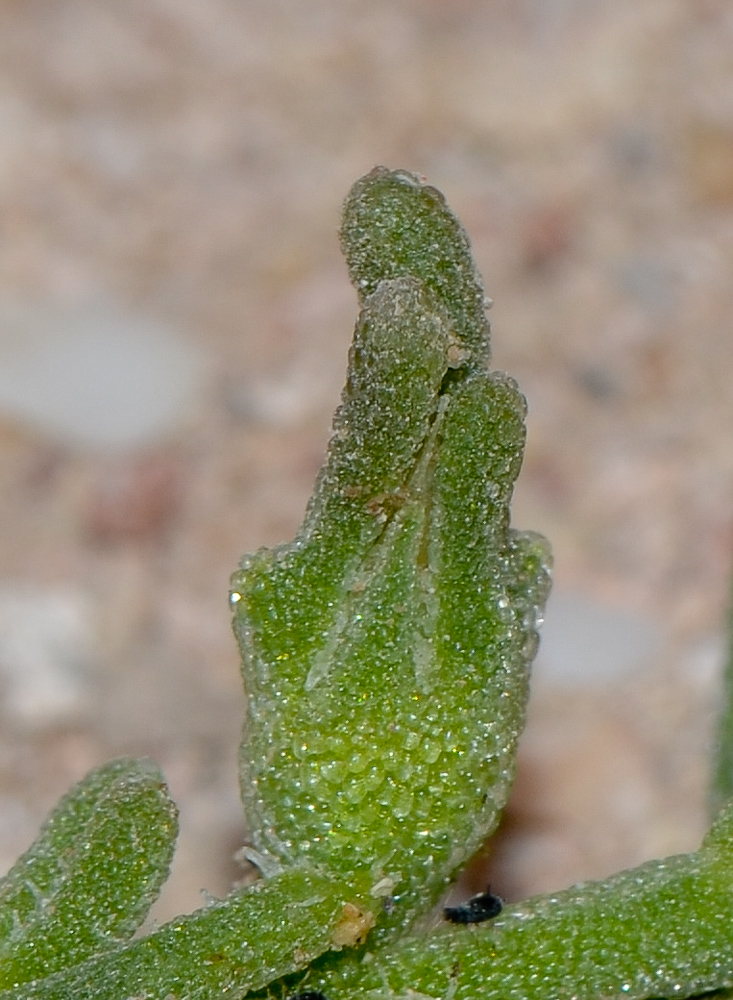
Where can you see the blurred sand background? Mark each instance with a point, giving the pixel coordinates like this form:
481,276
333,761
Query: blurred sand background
174,322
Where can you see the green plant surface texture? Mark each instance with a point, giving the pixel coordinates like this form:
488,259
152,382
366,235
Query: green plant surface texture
394,226
89,879
660,930
386,651
225,949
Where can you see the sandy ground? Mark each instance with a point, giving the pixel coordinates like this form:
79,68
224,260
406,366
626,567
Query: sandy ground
183,164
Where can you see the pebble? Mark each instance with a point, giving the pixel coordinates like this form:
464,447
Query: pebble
95,377
46,643
584,642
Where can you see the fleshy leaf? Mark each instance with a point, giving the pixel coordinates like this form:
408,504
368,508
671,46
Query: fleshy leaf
89,879
386,651
396,225
660,930
226,949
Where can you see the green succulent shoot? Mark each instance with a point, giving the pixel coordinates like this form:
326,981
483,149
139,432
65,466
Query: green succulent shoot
386,655
386,650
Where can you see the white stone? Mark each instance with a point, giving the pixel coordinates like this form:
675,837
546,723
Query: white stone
95,377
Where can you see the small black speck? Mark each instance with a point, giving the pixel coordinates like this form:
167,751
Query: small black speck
478,908
308,995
